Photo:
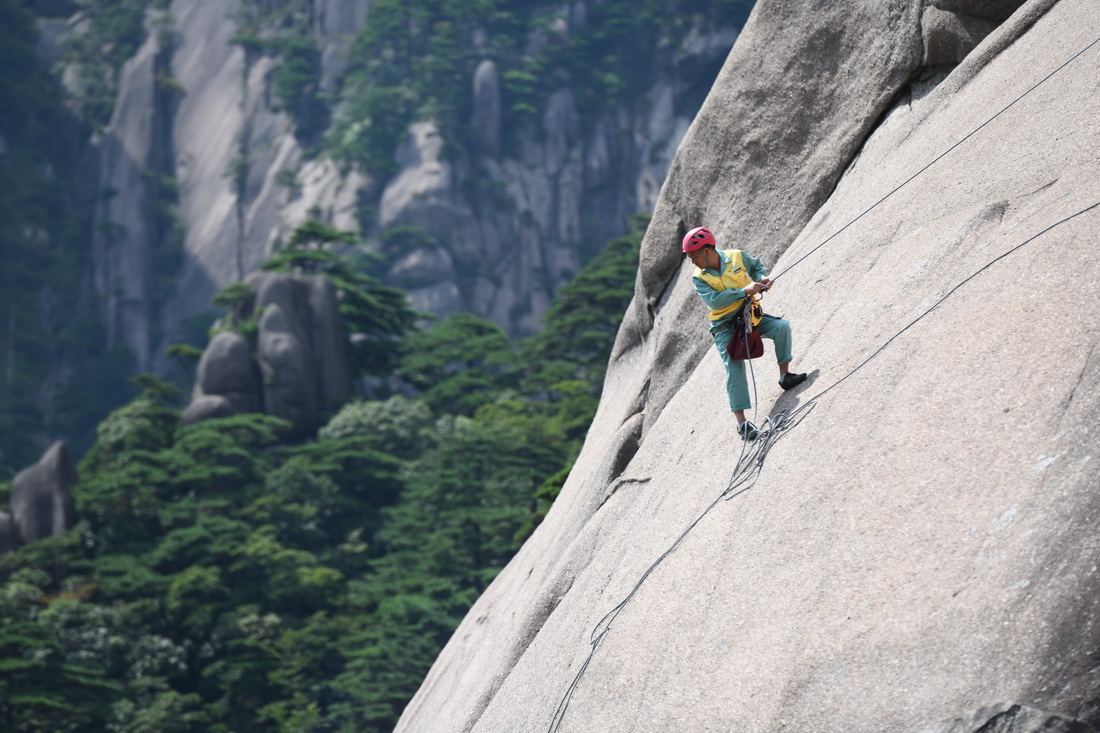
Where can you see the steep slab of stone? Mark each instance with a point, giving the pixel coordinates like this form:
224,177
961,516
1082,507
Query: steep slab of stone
916,547
797,97
121,244
782,72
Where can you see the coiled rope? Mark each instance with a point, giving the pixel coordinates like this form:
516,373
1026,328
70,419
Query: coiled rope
750,463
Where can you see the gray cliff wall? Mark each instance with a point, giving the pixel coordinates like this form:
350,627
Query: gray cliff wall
500,251
922,544
223,143
124,235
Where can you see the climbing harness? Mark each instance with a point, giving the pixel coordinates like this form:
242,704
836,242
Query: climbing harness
750,463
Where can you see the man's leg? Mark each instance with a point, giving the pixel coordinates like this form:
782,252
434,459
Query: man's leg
737,389
779,331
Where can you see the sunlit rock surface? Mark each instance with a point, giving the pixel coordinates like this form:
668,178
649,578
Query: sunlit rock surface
922,544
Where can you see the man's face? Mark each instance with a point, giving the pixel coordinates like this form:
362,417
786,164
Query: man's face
698,257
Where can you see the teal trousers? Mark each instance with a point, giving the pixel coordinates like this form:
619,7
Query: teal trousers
776,329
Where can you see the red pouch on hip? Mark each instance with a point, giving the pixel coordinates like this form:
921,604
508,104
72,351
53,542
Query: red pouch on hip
744,345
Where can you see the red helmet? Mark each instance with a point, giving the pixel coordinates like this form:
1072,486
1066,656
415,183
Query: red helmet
697,238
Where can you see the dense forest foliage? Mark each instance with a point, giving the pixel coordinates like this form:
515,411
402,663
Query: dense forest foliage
221,579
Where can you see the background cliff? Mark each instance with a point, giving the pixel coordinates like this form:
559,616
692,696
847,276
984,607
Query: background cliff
282,531
919,543
515,168
480,154
914,546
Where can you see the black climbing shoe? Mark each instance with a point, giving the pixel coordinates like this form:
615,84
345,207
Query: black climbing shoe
748,431
791,380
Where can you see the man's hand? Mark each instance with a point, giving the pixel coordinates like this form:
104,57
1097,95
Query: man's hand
765,284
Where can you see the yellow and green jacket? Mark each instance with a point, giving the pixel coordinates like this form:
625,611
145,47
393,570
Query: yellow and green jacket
723,290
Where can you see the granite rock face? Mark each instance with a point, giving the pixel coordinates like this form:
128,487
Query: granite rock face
922,542
298,367
41,496
125,234
218,137
245,183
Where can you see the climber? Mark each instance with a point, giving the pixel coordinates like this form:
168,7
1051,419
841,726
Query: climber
726,280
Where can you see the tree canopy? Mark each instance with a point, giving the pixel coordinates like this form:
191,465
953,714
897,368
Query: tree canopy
222,579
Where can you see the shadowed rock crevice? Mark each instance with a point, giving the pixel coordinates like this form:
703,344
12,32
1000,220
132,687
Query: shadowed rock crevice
621,451
951,29
1010,718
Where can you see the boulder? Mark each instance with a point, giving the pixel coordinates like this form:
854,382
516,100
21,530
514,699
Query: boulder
226,382
41,496
299,364
207,407
918,544
286,370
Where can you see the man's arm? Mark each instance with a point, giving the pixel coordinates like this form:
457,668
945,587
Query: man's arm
756,270
754,267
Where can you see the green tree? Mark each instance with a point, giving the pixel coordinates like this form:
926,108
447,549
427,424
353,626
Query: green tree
297,83
401,426
452,531
40,691
41,255
581,323
461,363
